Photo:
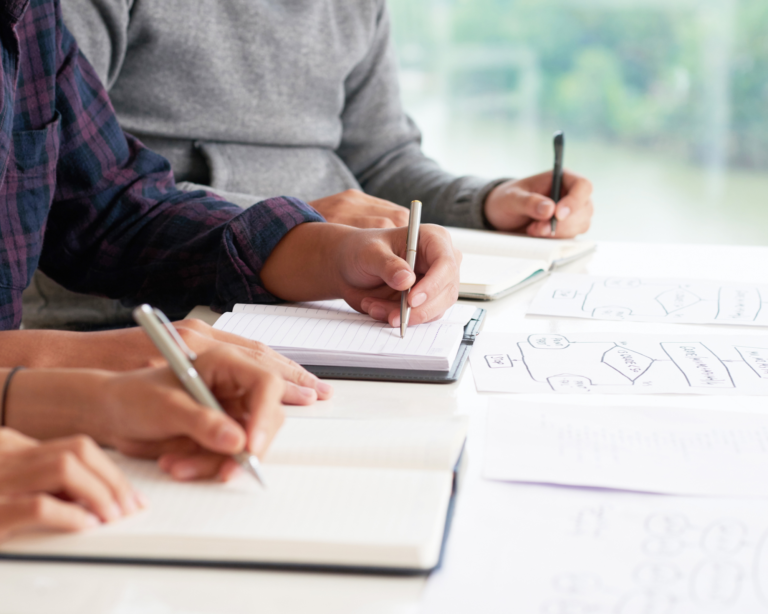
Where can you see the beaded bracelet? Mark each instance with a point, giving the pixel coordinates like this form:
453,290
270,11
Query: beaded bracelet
4,396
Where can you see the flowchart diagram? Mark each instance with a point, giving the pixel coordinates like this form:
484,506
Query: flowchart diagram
652,300
632,364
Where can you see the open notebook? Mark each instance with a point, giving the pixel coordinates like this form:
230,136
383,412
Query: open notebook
331,333
341,493
497,263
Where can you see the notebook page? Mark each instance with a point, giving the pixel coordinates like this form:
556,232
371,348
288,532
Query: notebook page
326,515
394,444
304,338
515,246
338,309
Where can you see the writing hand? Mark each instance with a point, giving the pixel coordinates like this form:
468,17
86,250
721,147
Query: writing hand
524,205
358,209
64,484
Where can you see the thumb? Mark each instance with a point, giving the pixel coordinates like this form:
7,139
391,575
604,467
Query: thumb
391,269
211,429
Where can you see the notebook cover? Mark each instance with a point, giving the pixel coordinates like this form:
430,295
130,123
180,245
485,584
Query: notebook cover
539,275
471,331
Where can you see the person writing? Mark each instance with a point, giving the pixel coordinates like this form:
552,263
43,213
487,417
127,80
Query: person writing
53,475
240,108
100,213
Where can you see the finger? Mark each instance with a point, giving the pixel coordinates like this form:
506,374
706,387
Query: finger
268,358
298,395
576,223
211,429
391,269
97,461
199,466
13,441
433,310
577,192
42,511
155,449
55,471
429,291
534,206
266,414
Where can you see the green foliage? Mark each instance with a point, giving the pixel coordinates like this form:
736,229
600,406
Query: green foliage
641,72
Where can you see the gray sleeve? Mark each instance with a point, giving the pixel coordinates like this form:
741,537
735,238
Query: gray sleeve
382,146
101,30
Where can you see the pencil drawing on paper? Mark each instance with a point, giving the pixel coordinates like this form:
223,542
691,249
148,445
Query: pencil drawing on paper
658,300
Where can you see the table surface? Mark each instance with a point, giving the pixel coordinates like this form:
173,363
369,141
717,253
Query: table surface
63,588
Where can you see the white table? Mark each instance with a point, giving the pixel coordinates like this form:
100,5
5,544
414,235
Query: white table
67,588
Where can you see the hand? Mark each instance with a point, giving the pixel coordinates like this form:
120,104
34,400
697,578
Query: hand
65,485
358,209
129,349
524,206
367,269
149,415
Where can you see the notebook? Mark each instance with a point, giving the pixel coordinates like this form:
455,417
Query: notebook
352,494
496,263
333,340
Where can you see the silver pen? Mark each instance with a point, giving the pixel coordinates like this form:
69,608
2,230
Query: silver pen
170,344
410,257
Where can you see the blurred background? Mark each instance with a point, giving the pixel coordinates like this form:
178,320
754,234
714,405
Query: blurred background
664,104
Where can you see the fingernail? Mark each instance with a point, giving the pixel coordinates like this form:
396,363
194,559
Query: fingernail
324,387
378,312
546,231
165,463
227,436
141,499
184,472
401,278
563,212
542,208
92,521
418,299
307,392
259,443
365,304
396,322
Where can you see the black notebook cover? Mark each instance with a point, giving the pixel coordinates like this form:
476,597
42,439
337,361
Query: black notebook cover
471,331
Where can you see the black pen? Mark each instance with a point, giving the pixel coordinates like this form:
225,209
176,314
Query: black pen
557,176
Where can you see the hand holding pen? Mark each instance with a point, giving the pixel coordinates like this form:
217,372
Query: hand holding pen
233,408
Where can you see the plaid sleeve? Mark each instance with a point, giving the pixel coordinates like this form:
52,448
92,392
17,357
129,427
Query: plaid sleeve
118,226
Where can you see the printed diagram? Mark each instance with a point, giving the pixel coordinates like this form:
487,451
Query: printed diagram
630,298
718,565
639,363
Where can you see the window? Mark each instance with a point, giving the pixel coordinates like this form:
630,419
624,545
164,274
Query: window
664,103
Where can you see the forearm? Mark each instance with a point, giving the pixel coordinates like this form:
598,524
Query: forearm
304,264
51,403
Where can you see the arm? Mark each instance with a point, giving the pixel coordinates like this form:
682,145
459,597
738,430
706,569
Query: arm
119,227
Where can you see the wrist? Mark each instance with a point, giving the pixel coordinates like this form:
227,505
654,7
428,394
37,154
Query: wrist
51,403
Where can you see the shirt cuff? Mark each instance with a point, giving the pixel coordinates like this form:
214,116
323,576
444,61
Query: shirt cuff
248,241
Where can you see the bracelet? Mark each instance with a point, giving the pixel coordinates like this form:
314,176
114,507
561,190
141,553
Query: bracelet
4,396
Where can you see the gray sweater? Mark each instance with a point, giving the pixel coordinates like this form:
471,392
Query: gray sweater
258,98
270,97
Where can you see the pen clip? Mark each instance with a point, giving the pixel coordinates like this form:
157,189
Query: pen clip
175,334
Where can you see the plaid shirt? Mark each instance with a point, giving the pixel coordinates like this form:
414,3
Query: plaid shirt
95,209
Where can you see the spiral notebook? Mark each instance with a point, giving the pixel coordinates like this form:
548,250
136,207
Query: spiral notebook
333,340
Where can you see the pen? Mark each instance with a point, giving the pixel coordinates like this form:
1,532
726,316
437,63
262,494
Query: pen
410,257
170,344
557,176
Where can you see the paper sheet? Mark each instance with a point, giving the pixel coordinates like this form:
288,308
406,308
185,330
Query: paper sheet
611,363
652,300
658,450
555,551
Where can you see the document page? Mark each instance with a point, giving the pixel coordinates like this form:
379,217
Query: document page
652,300
526,549
656,450
612,363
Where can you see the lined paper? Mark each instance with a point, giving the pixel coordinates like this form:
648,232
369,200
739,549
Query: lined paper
335,336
